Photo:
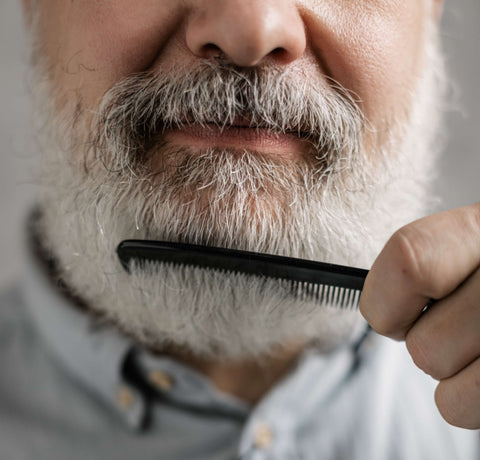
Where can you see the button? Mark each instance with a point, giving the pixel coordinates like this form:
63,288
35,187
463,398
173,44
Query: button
263,436
161,380
125,398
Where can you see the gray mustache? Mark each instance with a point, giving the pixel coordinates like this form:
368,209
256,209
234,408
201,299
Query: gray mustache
136,111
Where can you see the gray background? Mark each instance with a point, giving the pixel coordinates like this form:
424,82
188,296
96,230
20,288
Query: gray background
457,184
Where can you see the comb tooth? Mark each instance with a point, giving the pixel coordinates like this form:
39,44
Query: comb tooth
338,295
356,299
325,294
330,294
292,287
341,297
334,296
298,289
320,294
308,290
316,288
351,300
348,300
332,288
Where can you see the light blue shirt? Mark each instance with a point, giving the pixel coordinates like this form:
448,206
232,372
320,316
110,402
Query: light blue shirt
72,388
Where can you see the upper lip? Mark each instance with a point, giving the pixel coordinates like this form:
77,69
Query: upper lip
240,122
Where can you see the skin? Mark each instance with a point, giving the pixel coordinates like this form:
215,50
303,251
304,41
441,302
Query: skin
436,257
368,46
372,48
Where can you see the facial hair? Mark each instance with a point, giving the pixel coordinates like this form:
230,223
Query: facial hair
112,176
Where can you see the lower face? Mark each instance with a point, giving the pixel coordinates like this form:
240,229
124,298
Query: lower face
373,48
332,187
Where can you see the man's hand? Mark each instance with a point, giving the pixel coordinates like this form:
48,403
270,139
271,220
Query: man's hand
437,257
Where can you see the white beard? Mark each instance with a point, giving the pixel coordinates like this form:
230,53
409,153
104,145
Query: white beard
235,316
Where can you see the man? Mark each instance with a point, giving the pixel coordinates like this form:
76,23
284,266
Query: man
299,128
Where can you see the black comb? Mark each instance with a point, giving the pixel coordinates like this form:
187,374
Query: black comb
324,283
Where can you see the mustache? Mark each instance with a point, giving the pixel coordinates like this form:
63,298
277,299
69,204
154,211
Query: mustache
135,113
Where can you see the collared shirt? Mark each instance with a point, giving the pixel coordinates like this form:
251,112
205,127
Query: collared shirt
72,388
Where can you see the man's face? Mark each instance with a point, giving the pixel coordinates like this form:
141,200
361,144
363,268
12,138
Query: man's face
295,127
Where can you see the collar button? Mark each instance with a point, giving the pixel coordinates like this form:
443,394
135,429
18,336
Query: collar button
263,436
160,380
125,398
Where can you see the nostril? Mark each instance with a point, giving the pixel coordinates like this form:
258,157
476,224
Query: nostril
210,50
246,33
280,54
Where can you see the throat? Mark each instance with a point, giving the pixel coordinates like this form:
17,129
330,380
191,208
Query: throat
247,380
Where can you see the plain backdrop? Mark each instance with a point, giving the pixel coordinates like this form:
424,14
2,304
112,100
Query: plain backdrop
457,185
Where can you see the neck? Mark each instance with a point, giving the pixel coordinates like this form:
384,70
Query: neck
249,379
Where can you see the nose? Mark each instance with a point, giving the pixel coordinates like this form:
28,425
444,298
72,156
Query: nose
246,32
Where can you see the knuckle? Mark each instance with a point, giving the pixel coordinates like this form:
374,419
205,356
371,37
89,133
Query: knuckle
418,346
414,249
426,352
382,325
375,314
408,243
449,403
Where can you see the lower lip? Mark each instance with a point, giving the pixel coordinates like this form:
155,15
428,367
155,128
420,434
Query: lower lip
287,146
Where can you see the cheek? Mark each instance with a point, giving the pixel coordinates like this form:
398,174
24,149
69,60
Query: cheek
373,48
92,44
129,34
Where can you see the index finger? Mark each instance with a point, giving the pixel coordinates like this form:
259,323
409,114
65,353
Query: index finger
427,259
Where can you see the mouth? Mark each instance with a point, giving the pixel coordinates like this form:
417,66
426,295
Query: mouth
239,136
